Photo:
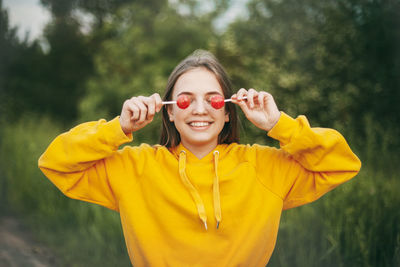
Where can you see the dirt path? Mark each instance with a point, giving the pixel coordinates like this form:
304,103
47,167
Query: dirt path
19,249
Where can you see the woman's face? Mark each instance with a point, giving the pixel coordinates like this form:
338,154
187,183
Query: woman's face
199,124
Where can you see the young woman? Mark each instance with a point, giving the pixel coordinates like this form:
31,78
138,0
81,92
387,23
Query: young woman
199,198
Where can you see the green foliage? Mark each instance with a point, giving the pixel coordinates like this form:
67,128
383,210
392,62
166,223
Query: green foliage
99,9
355,225
145,47
8,50
335,61
48,82
69,62
80,234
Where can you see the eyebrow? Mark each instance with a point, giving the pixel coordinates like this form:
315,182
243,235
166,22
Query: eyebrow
208,93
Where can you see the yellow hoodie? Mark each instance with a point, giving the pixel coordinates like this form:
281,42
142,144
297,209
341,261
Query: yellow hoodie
178,210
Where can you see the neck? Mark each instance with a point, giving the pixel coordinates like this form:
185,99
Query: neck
200,151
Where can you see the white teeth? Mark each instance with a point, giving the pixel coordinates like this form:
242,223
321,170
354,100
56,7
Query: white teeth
199,124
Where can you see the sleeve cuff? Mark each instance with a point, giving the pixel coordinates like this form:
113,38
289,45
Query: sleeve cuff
283,129
119,137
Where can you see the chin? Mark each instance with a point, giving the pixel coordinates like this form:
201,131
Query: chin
201,141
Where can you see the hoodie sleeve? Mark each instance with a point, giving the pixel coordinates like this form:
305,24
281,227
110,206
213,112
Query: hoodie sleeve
75,161
311,161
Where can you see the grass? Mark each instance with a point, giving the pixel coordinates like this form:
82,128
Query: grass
79,233
357,224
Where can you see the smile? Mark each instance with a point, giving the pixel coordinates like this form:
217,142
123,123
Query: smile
199,124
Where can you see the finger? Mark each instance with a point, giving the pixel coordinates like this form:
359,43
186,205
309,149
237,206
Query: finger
243,105
132,109
262,96
151,107
143,111
241,93
234,98
135,111
126,112
270,103
250,97
158,101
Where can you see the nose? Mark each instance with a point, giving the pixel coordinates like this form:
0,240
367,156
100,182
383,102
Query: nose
199,106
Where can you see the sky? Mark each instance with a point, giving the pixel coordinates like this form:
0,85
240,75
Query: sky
30,17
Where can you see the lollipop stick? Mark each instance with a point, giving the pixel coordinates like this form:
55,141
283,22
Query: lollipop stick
174,102
230,99
168,102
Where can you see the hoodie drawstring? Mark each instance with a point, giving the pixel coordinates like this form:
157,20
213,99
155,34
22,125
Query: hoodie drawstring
216,196
195,194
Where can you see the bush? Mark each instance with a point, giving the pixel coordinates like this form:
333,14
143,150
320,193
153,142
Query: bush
80,234
357,224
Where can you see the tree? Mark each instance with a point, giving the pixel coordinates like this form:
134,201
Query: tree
336,61
14,55
8,42
146,46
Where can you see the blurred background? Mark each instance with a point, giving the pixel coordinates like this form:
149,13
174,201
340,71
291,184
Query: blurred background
337,62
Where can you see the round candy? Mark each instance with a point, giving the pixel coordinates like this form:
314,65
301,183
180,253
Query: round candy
217,101
183,101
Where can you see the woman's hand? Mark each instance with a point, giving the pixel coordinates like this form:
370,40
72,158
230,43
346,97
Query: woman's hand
259,108
139,111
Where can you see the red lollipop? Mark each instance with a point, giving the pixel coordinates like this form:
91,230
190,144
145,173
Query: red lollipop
183,101
217,101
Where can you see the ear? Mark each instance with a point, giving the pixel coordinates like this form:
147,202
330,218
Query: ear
226,117
170,113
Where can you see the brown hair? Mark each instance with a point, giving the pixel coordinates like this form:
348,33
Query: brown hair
200,59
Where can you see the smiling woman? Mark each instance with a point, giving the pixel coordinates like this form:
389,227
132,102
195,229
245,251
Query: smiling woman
199,198
199,125
218,80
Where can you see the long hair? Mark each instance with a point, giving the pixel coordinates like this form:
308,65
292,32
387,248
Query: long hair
170,136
